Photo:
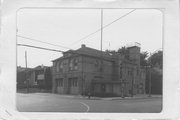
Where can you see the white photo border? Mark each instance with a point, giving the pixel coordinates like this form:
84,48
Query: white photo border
8,51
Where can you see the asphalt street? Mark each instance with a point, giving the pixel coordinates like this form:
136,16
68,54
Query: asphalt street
47,102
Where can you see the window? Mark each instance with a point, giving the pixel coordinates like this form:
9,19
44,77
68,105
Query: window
61,66
130,73
60,82
101,69
96,63
76,64
73,82
57,66
137,71
73,64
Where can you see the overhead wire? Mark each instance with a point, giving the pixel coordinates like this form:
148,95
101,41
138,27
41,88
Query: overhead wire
102,27
40,47
32,39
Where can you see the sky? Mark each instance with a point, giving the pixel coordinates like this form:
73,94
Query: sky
65,28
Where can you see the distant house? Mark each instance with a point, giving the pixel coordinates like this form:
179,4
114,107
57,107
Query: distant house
22,73
43,77
87,70
39,77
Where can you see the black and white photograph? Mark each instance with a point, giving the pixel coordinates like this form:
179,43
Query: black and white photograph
95,60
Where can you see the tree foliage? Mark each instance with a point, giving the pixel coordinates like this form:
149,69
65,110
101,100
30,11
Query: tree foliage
143,58
124,51
156,62
156,59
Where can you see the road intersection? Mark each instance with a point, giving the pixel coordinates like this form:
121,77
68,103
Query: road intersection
47,102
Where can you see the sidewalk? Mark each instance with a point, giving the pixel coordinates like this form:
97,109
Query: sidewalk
134,97
94,98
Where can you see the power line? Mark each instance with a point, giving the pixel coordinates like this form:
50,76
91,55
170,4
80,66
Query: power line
40,47
32,39
37,47
42,42
103,27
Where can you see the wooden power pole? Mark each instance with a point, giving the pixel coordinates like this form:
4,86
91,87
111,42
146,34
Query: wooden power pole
27,82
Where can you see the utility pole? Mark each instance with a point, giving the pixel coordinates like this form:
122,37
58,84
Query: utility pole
132,89
83,77
150,76
101,29
123,81
27,82
101,41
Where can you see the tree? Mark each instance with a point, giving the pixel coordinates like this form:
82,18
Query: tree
156,59
113,52
143,58
124,51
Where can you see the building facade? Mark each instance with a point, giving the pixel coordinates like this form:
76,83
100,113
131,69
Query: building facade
88,70
22,73
39,77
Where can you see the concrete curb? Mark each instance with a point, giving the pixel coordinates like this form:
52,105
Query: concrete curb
95,98
119,98
135,98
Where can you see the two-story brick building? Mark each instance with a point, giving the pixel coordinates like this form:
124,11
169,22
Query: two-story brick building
100,73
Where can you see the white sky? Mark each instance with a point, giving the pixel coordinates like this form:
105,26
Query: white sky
66,26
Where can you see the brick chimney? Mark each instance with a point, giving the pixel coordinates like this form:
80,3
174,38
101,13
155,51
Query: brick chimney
83,46
134,54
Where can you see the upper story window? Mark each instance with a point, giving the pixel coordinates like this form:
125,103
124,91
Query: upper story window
76,64
137,72
98,65
73,64
59,66
130,73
